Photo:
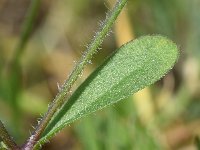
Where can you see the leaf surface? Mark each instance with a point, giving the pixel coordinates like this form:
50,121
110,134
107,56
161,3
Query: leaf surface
133,66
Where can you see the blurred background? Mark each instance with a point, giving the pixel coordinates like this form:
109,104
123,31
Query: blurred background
41,41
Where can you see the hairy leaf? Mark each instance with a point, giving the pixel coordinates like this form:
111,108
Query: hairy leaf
129,69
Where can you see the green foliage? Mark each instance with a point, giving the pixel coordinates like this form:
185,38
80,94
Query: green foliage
132,67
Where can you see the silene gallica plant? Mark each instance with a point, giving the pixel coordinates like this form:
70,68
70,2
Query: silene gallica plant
133,66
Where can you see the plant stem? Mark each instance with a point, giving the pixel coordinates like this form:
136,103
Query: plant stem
86,57
6,138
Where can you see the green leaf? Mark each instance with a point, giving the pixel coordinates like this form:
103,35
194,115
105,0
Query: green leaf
129,69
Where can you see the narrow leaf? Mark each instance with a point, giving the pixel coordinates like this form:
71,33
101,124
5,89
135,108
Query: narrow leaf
129,69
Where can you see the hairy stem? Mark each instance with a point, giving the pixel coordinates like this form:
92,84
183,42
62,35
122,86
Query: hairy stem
86,57
6,138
